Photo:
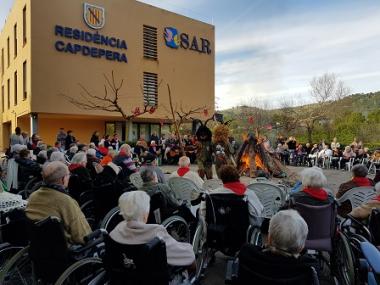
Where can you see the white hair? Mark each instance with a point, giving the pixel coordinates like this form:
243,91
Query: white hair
73,149
54,171
313,177
91,152
79,157
57,156
288,231
184,161
134,206
43,154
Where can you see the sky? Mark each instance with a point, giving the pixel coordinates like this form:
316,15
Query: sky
267,51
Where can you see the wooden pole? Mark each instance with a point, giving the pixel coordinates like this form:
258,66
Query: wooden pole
182,150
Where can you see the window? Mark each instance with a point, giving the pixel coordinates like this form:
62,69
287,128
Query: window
24,24
2,61
15,88
8,52
150,42
24,75
150,89
2,98
15,39
9,93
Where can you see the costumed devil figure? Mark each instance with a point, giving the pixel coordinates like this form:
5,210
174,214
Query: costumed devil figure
204,150
223,150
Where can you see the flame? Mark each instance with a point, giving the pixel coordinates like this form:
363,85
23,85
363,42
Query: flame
245,162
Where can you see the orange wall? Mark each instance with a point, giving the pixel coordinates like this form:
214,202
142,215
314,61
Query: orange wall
82,128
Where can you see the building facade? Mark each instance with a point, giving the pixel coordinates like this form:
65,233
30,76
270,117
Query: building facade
53,52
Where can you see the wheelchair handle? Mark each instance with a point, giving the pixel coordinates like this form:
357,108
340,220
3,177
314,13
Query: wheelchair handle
94,235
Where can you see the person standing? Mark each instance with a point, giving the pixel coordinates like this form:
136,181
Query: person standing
16,138
115,143
95,138
70,139
61,137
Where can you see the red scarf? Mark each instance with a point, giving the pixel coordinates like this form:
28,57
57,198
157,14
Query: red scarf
362,181
182,171
237,187
377,198
75,166
317,193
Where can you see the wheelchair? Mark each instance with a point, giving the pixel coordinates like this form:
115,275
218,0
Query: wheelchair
48,255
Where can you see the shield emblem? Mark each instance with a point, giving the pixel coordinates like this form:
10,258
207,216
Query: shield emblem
94,16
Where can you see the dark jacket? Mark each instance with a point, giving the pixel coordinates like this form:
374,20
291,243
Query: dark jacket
27,169
68,141
80,181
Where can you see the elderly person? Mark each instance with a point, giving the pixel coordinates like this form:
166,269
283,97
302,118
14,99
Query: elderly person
151,186
313,191
150,161
359,179
185,172
52,200
125,161
281,259
80,179
232,185
364,211
58,156
93,163
134,207
348,153
27,168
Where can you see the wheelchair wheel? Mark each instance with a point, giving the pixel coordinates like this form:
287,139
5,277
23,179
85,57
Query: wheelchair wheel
88,210
256,237
343,261
178,228
6,253
200,249
111,220
81,272
18,269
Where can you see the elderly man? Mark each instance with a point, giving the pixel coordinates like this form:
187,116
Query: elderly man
150,161
185,172
359,179
53,200
282,259
364,211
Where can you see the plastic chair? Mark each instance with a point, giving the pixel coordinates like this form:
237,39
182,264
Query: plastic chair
136,180
357,196
212,184
184,189
271,196
321,223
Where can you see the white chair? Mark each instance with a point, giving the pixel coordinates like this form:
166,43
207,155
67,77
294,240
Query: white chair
357,196
350,163
212,184
184,189
271,196
375,163
136,180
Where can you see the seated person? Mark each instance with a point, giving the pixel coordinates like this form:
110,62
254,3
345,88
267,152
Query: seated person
359,179
364,211
80,179
125,160
185,172
134,207
150,161
282,259
232,185
151,186
52,199
27,168
92,162
313,193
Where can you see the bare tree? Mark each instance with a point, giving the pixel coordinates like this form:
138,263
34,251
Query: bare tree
109,101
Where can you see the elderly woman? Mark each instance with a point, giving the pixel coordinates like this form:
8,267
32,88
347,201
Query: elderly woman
134,207
313,191
359,179
80,179
364,211
281,260
232,185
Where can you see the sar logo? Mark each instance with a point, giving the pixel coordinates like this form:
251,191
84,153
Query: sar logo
94,16
171,37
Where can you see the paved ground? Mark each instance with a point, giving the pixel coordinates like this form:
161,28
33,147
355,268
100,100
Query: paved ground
214,275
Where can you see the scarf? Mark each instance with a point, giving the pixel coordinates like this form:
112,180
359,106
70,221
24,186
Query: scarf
377,198
362,181
56,187
182,171
74,166
236,187
317,193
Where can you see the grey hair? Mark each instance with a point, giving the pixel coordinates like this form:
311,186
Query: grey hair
184,161
58,156
73,149
288,231
134,206
360,170
79,157
91,152
313,177
43,154
148,174
53,171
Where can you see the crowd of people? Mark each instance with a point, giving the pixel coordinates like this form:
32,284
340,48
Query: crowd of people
70,169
